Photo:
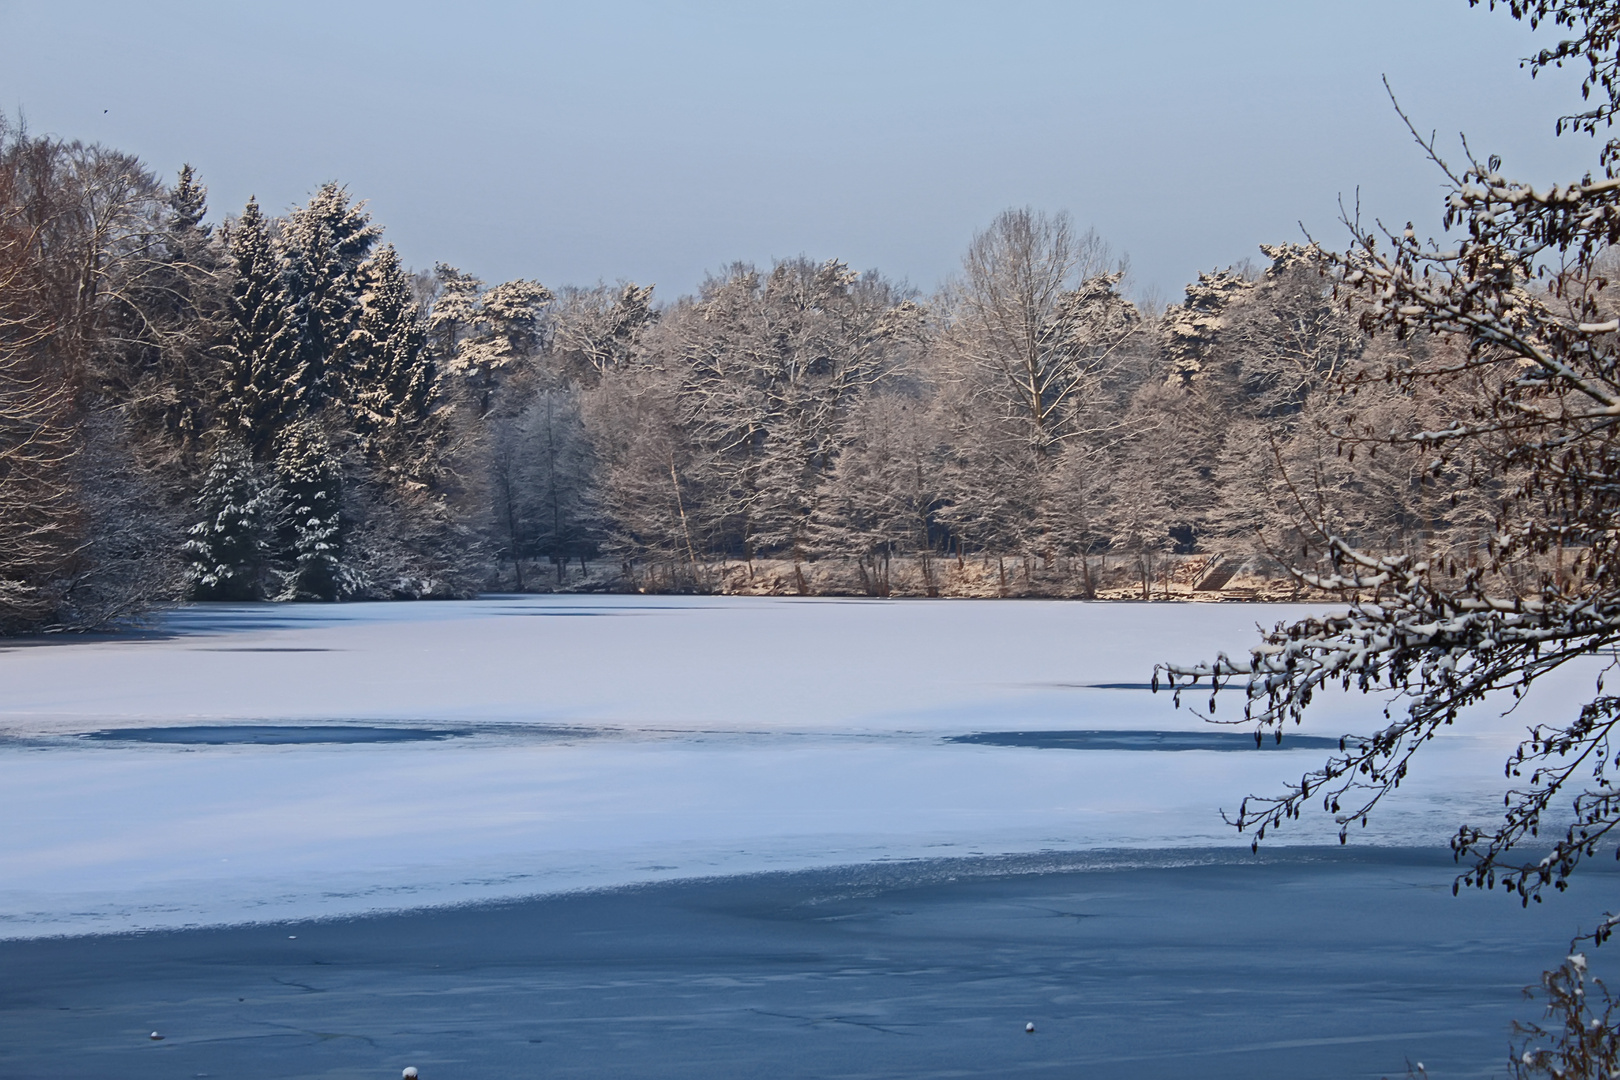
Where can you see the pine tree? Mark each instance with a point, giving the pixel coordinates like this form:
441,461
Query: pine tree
188,204
1191,330
189,322
391,373
323,246
455,307
227,551
506,331
311,482
263,374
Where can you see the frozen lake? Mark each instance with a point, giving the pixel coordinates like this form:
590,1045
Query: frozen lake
1307,966
256,765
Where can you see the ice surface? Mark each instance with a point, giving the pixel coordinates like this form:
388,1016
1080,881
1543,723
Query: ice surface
268,734
618,739
1308,964
1214,739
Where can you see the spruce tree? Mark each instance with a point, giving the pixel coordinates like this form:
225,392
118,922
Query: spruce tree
168,372
324,244
264,376
226,554
188,204
311,481
391,374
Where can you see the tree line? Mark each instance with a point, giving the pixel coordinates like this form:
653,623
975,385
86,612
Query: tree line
275,407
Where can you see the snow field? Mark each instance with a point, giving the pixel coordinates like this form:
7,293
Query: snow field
611,740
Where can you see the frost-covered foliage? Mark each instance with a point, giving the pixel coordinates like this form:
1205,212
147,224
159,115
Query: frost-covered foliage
38,519
1510,410
1029,415
755,379
843,430
1192,329
1036,324
228,551
104,294
390,371
598,330
883,496
311,482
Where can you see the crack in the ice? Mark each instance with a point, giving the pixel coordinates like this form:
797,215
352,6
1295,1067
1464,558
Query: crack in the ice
832,1020
302,986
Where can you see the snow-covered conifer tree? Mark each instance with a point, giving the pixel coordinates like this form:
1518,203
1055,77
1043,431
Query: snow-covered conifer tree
506,330
324,243
311,541
390,373
1191,329
188,204
227,553
265,375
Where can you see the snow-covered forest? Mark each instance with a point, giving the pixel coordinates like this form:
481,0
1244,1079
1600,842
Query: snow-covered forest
276,407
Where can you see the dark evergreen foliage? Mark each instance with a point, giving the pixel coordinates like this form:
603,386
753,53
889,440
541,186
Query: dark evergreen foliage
265,376
311,527
391,377
228,550
323,245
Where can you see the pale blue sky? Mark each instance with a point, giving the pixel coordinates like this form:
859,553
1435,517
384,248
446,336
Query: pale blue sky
585,141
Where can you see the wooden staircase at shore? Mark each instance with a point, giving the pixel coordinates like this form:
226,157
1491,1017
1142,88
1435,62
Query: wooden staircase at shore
1220,571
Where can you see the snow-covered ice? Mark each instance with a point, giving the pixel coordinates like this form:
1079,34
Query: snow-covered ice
606,740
